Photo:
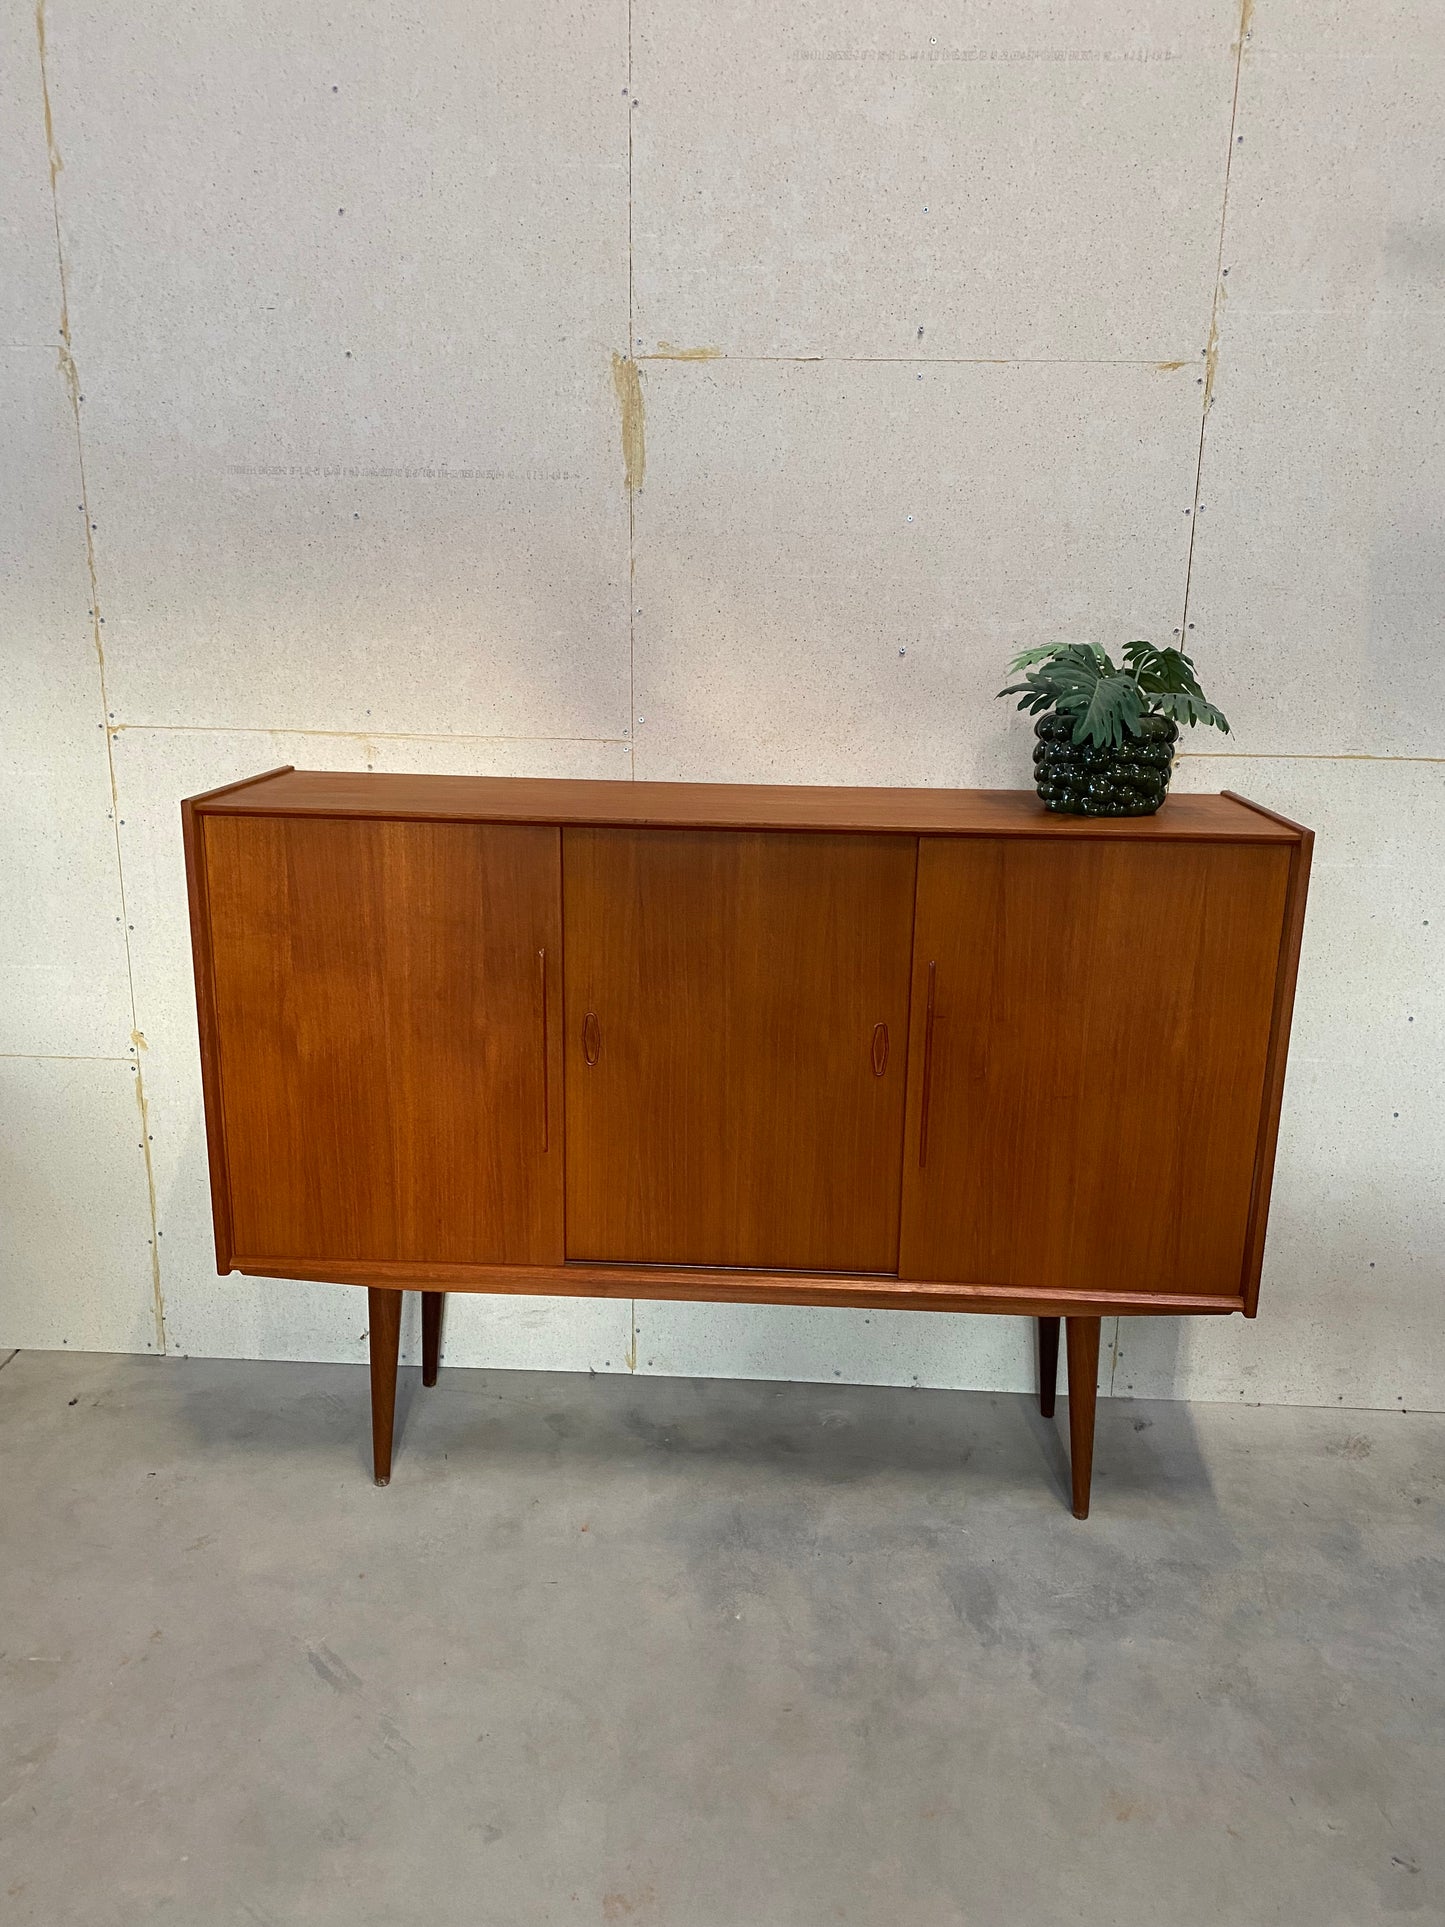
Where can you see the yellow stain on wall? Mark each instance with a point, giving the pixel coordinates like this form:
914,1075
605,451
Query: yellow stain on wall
54,152
56,164
626,381
1211,352
666,351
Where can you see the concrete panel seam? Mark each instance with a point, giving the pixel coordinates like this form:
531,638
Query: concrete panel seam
343,735
631,491
55,164
1216,306
1298,756
60,1057
667,353
70,375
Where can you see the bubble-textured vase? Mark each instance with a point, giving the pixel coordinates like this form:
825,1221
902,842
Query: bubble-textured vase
1081,779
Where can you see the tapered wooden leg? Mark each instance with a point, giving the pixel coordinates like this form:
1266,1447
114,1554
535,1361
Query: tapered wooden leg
385,1319
431,1334
1048,1364
1083,1346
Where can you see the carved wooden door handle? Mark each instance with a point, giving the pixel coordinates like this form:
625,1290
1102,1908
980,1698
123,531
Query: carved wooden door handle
591,1037
880,1049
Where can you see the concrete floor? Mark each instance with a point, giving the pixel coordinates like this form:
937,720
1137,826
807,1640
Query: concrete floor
684,1654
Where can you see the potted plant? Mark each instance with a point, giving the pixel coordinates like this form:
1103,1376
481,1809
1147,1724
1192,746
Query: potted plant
1107,733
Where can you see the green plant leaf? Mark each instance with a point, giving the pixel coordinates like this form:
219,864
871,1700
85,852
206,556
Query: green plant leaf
1062,670
1107,704
1185,706
1161,671
1113,711
1103,702
1032,699
1026,658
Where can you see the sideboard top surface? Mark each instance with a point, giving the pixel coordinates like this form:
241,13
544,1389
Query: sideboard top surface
727,806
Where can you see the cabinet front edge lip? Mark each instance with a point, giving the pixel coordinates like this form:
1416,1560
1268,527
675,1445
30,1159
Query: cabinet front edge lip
722,1285
1118,829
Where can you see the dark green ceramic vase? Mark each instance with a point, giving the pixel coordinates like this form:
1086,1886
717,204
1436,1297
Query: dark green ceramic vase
1080,779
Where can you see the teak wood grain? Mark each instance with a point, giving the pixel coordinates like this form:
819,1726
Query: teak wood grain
737,1019
1280,1021
891,1048
1085,1114
380,1034
728,806
736,1285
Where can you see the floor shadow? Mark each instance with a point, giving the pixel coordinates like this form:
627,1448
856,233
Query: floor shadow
1049,1440
825,1434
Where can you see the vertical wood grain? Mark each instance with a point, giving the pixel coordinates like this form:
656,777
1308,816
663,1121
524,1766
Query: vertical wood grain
379,1037
1101,1021
723,993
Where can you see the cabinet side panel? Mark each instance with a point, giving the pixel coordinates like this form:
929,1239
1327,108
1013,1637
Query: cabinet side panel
199,898
1289,955
1101,1021
736,1047
379,1011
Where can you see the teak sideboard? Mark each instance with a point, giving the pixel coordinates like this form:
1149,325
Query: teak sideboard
892,1048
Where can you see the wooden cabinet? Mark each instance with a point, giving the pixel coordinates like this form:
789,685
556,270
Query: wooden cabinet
885,1048
1093,1025
382,994
737,1021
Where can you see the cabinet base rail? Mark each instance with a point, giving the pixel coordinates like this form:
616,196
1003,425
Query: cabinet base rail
1081,1349
736,1285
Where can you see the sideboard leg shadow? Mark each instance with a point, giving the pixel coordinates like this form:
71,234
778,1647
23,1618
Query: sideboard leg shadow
384,1308
431,1334
1083,1348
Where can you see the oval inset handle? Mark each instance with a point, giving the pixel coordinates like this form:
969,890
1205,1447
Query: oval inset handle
880,1049
591,1037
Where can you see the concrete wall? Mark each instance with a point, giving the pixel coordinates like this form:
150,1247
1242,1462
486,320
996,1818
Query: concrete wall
714,391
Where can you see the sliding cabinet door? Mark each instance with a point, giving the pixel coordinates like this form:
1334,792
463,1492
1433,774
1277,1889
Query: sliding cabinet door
1090,1024
382,994
737,1010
